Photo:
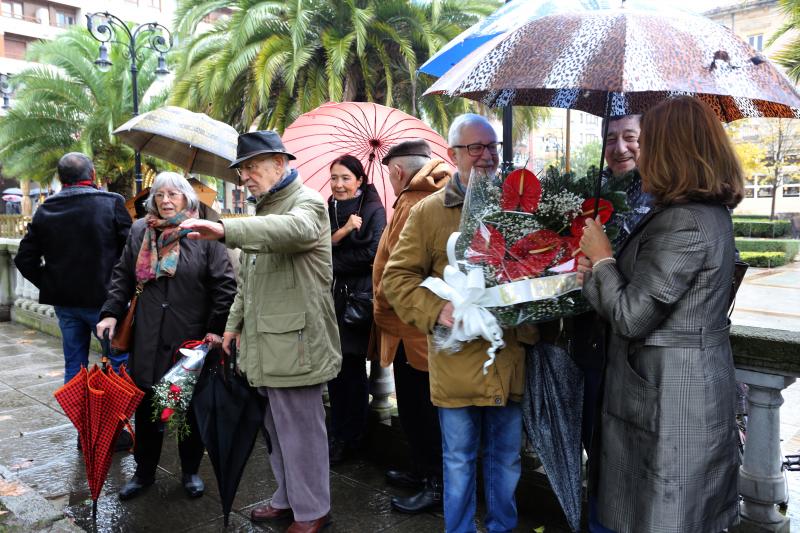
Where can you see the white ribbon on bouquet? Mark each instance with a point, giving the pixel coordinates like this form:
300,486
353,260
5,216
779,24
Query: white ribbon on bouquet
470,298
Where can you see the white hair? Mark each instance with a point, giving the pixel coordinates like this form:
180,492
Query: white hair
410,163
462,121
174,180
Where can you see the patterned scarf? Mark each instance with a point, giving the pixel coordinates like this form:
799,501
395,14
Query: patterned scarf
159,253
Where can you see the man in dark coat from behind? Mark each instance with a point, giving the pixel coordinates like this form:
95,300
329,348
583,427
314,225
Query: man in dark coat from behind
72,244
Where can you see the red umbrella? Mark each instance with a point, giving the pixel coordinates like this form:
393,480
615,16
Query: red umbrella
362,129
99,404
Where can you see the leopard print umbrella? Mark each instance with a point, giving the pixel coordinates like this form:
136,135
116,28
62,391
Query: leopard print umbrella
619,62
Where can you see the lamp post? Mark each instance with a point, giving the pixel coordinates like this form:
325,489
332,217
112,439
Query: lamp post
105,27
5,89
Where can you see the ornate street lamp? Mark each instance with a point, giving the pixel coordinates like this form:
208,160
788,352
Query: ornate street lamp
105,28
5,90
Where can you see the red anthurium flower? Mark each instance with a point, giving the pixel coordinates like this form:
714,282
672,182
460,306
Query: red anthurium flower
521,190
515,270
604,209
174,388
487,246
577,226
166,414
537,250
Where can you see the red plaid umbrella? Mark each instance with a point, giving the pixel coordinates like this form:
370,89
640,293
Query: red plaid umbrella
362,129
99,403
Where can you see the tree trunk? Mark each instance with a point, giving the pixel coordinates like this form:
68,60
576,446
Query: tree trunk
774,192
25,185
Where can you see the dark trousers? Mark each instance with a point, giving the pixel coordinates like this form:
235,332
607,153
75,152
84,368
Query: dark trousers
418,416
349,397
150,436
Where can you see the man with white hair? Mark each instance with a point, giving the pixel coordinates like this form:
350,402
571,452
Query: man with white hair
284,322
476,411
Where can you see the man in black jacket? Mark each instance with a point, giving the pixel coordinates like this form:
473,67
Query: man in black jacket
72,244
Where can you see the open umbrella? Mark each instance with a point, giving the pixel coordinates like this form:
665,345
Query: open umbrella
229,414
16,191
552,407
12,198
362,129
193,141
621,61
98,403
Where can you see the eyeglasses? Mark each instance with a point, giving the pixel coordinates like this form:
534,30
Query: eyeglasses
249,167
477,148
172,195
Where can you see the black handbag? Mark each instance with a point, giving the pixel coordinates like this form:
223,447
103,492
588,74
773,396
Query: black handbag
357,308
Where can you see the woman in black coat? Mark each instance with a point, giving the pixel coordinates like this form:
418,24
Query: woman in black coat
357,220
187,288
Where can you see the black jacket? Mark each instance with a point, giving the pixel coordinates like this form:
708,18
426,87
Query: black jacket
80,233
172,310
353,258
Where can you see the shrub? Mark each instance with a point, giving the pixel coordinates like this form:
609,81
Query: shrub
788,247
763,259
760,227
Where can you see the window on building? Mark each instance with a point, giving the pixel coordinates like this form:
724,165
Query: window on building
756,41
15,47
65,19
791,191
749,192
765,192
12,9
152,3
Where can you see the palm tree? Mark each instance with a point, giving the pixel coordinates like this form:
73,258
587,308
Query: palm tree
270,61
66,104
789,56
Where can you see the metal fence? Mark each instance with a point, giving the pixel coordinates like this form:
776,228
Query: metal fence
13,226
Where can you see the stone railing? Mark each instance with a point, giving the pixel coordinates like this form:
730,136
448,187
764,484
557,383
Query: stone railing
13,226
767,360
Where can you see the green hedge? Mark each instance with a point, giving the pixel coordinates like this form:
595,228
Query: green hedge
788,247
763,259
761,227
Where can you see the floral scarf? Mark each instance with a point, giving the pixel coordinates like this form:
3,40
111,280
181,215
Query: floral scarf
159,253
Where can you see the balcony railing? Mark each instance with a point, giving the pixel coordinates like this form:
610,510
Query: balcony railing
13,226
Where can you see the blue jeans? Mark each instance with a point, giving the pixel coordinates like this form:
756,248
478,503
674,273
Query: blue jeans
498,432
77,325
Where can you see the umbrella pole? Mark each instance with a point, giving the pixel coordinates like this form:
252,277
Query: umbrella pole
508,141
599,181
94,511
190,162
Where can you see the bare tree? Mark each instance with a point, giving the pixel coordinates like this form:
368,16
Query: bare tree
780,142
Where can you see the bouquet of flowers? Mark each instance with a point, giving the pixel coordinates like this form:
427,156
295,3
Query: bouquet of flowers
173,393
513,260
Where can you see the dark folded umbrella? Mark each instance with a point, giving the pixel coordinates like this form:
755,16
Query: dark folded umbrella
229,414
551,410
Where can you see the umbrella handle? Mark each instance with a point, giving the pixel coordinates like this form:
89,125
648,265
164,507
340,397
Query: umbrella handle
105,343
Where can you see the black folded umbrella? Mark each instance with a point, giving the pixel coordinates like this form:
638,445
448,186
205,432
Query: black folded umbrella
551,411
229,414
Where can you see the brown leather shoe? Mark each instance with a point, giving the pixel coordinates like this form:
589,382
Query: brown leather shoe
312,526
267,512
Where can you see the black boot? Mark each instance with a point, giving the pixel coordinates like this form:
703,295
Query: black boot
430,499
134,487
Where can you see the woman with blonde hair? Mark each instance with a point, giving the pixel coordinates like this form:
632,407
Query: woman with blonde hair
667,457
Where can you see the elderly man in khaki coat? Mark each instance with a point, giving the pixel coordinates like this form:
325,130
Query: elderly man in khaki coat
283,319
476,411
413,175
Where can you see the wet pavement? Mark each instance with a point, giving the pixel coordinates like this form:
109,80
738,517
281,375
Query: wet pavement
38,444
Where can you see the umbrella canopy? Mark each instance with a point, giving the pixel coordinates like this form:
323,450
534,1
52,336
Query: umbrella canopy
12,198
98,403
620,61
229,415
193,141
362,129
552,408
509,17
16,191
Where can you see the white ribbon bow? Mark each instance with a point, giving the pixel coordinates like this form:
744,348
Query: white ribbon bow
467,293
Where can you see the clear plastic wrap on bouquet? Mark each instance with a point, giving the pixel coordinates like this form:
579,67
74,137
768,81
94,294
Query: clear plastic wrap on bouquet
173,392
513,259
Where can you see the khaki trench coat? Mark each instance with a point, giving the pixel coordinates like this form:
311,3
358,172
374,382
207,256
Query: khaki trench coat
668,457
283,308
390,330
457,379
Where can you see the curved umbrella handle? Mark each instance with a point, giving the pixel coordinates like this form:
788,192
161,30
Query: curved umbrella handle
105,343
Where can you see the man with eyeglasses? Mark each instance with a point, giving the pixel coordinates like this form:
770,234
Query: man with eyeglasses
283,321
476,411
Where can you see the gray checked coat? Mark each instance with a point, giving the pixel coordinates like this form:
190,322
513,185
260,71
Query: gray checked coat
668,457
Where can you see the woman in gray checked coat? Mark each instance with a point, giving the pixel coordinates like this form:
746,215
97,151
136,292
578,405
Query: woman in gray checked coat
667,453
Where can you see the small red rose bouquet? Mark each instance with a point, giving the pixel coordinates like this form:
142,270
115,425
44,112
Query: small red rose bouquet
173,393
513,260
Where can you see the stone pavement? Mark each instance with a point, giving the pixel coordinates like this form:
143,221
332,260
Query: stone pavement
37,449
